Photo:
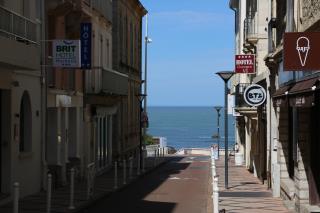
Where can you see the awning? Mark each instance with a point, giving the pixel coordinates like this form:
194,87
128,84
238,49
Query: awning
304,86
280,97
302,93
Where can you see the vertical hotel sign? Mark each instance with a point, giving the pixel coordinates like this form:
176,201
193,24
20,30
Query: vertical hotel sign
86,35
301,51
245,64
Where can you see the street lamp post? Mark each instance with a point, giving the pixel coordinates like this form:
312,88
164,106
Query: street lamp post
147,41
218,108
140,98
225,76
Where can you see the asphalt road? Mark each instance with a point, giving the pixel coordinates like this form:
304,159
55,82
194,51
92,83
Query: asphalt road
179,186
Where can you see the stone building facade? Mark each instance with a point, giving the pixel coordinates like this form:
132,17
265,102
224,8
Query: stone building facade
127,52
21,92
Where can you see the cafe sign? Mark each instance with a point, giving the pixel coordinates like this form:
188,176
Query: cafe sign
66,53
255,95
301,51
245,64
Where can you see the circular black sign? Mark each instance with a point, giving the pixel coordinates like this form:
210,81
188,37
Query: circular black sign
255,95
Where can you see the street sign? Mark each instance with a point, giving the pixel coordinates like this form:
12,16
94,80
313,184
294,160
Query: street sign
245,64
255,95
301,51
86,37
66,53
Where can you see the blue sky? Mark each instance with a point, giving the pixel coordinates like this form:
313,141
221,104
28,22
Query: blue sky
192,39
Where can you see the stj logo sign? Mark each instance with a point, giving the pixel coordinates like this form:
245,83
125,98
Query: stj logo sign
86,31
255,95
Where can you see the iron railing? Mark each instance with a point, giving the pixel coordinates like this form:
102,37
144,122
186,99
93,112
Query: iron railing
239,99
104,7
18,27
250,29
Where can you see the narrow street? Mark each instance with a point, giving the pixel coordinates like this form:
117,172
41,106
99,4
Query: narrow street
179,186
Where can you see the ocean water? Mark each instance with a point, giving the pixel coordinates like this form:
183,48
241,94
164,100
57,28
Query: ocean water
186,127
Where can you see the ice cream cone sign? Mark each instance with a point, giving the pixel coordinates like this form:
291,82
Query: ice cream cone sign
301,51
303,47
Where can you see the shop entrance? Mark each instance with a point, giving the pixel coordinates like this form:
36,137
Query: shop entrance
314,169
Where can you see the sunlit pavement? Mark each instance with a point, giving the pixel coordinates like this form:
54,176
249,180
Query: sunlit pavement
246,193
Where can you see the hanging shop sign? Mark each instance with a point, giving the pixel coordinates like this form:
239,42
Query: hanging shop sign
86,45
245,64
66,53
255,95
301,51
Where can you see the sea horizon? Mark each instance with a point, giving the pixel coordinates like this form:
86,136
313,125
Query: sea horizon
188,126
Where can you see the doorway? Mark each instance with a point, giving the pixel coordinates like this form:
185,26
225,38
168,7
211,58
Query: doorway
1,142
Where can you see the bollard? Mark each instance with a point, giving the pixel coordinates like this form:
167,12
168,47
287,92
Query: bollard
16,197
49,188
124,171
215,195
155,158
115,175
138,165
130,168
213,168
143,164
71,206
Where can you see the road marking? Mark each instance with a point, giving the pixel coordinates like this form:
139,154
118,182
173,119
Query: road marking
175,178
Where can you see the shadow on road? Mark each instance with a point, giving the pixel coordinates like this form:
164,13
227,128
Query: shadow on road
131,198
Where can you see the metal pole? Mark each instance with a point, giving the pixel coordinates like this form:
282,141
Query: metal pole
71,206
215,195
218,133
145,67
130,168
226,134
49,193
124,171
16,197
139,164
115,175
141,138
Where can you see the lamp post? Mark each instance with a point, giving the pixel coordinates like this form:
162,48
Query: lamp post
147,41
225,76
140,99
218,108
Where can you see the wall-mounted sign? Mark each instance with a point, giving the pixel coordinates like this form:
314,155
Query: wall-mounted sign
66,53
255,95
85,34
245,64
301,51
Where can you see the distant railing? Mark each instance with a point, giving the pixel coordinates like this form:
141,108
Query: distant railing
102,6
18,27
239,99
249,28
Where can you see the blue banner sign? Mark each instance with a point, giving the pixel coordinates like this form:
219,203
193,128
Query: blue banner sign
85,36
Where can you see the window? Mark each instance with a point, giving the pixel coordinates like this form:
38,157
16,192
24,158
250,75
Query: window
25,138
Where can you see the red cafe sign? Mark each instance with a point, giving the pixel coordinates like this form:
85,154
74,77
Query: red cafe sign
245,64
301,51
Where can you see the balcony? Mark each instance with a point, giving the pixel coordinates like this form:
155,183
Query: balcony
17,27
19,40
250,30
104,7
114,82
239,99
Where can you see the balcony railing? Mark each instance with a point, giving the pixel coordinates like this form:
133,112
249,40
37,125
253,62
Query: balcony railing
250,29
18,27
104,7
239,99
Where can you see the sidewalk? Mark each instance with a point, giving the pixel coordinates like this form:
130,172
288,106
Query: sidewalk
245,193
104,185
